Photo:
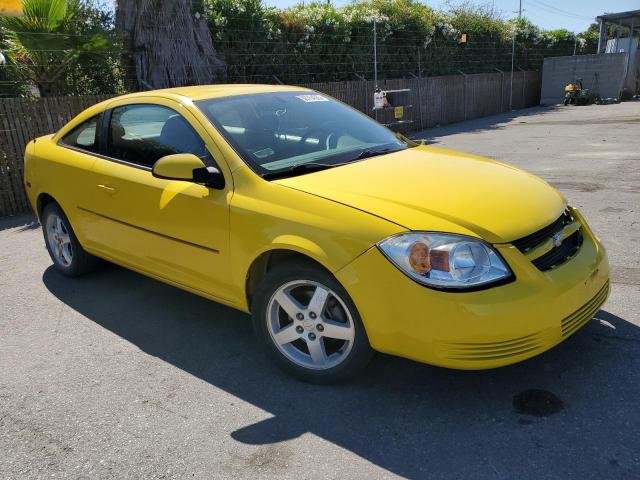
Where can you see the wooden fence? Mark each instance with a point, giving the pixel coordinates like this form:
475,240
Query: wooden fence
435,100
22,119
447,99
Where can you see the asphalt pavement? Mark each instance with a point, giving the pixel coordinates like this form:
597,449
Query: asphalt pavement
115,375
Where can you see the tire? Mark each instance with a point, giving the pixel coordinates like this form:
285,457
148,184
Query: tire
320,345
63,246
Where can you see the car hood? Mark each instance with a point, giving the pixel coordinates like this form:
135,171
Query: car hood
427,188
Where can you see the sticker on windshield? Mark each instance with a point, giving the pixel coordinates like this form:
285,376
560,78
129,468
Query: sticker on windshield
312,98
264,153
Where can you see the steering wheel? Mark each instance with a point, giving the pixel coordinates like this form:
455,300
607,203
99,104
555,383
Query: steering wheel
328,134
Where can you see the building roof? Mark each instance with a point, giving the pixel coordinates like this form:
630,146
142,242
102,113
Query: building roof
621,18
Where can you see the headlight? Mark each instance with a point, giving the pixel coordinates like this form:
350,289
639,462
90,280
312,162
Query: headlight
445,261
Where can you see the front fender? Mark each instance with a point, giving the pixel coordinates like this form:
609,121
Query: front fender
289,243
304,246
266,216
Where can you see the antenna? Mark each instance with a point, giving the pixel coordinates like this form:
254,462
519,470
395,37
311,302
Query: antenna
513,56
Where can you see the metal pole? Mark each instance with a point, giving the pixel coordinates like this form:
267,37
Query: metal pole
513,56
420,92
375,55
575,44
375,64
501,89
629,52
464,95
602,35
524,86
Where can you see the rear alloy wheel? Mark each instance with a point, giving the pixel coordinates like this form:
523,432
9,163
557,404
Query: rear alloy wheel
66,252
310,325
59,240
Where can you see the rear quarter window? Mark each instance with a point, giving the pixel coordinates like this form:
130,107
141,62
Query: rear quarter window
84,136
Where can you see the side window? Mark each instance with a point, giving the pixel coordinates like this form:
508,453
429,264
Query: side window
143,133
84,136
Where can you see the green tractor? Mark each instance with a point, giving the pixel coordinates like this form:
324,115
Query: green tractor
576,94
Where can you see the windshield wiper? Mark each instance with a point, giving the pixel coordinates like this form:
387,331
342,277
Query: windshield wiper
302,168
371,152
298,169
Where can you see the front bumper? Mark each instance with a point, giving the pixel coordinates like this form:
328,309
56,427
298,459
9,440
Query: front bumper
479,329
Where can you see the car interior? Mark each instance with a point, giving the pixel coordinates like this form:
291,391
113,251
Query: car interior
269,133
145,143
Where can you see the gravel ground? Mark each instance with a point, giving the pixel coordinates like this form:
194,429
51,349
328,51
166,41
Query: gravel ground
118,376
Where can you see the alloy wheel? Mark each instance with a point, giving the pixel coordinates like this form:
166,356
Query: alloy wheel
310,324
59,240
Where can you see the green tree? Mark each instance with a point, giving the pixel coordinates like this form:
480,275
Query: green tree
10,85
97,68
47,45
589,38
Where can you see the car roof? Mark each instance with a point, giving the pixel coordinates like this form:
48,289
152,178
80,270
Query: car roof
179,94
202,92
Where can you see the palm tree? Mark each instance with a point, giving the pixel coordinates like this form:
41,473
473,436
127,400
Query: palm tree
166,44
43,47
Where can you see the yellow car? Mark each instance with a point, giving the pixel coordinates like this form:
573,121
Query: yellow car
338,236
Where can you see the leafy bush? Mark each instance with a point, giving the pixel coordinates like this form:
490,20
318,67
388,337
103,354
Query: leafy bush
62,47
70,46
321,42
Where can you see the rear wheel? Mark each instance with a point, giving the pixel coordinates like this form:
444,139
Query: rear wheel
62,244
309,325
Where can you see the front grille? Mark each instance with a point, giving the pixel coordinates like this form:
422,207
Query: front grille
525,244
560,254
577,319
493,350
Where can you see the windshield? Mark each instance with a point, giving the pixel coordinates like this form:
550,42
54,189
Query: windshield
279,134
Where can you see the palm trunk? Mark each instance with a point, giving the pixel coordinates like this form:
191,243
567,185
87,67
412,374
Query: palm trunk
165,44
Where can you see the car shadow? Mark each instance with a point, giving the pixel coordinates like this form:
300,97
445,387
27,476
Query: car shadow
24,222
411,419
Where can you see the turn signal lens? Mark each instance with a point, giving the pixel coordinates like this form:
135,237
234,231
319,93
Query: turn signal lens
440,260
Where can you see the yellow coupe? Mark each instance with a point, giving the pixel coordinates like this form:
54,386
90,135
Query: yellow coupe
338,236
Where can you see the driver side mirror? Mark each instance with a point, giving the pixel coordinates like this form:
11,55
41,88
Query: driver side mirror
189,168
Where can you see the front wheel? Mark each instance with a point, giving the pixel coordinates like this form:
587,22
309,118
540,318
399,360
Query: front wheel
309,325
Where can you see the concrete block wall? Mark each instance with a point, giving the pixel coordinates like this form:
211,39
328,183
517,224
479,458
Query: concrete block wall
558,71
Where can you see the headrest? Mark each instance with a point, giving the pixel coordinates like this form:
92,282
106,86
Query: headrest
117,131
179,135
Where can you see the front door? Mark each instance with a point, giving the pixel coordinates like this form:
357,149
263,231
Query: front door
175,230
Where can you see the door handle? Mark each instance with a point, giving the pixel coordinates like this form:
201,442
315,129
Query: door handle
107,188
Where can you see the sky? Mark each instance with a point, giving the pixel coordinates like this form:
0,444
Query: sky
574,15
